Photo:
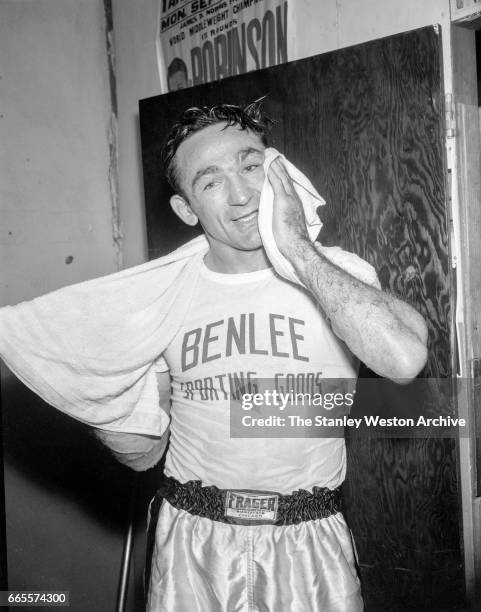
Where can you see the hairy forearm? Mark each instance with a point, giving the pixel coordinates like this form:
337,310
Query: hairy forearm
387,334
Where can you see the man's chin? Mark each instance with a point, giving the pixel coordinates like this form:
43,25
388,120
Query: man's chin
255,245
251,241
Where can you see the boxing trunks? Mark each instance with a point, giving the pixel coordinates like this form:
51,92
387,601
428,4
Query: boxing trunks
242,551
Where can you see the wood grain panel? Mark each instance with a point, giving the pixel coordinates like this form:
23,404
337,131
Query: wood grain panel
402,508
365,124
383,176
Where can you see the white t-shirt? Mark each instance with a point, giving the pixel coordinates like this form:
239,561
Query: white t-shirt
239,326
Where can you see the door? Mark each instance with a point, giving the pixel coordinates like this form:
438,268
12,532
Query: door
365,124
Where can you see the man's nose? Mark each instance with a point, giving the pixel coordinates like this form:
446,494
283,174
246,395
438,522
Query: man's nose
239,191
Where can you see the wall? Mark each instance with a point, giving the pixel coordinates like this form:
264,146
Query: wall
334,24
321,26
62,530
53,130
136,69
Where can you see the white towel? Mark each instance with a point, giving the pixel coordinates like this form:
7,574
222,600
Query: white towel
310,199
89,349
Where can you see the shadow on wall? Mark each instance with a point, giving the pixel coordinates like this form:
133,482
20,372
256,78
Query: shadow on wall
67,504
61,454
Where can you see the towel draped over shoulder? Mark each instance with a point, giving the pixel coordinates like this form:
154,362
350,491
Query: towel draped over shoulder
90,349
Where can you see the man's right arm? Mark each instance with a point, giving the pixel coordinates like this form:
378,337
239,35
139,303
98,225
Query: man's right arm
137,451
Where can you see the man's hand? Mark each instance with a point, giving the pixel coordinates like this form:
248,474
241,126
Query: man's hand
288,221
387,334
136,451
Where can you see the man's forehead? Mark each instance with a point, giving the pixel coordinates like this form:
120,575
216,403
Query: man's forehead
218,140
215,145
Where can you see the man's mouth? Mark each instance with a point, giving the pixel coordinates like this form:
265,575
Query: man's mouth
247,217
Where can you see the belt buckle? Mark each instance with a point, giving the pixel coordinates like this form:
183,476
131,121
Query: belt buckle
248,507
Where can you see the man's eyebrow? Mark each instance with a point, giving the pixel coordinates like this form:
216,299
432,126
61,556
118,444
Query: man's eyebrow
243,153
200,173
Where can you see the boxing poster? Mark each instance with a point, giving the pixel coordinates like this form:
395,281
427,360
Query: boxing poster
207,40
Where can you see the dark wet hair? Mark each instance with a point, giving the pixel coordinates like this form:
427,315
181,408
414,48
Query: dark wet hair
250,117
176,65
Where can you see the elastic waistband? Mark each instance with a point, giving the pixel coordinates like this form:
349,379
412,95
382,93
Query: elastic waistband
247,507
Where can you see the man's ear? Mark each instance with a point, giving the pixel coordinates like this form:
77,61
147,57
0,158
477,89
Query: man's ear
183,210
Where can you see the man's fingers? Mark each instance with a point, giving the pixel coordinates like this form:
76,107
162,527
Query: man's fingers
276,181
278,171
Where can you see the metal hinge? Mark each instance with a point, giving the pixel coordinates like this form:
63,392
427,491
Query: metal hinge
450,116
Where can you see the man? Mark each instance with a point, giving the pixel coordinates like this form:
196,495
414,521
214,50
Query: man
204,558
177,75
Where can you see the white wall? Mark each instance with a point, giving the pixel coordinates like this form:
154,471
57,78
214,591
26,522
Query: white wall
137,78
54,158
325,25
55,204
321,26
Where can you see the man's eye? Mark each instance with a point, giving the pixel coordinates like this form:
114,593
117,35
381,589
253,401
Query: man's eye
210,185
251,167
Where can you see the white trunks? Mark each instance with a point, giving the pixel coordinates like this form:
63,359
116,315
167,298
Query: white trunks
200,565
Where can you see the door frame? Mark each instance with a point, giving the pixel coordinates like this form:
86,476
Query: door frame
463,142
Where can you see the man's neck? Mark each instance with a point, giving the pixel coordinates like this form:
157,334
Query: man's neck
239,262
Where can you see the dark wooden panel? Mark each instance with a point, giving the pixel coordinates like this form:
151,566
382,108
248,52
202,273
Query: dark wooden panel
376,154
402,506
365,124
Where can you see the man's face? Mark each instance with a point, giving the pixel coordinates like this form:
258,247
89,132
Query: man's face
177,81
221,173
